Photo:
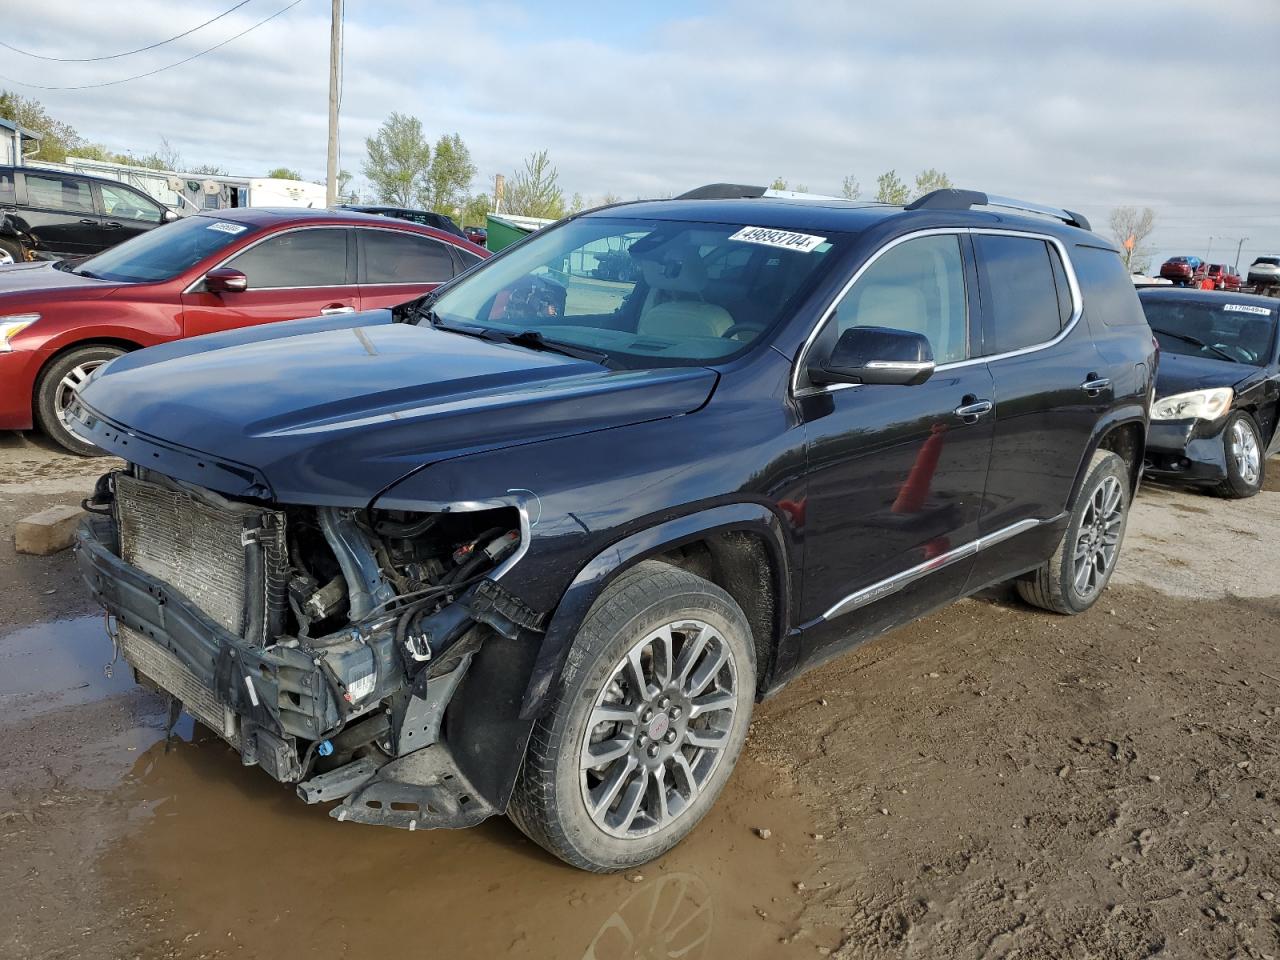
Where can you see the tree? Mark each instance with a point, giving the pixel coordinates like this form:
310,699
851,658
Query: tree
449,176
778,184
399,160
851,189
58,138
345,193
889,189
1131,227
283,173
535,190
930,180
610,198
476,210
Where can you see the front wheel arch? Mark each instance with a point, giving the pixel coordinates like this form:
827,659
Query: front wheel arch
41,416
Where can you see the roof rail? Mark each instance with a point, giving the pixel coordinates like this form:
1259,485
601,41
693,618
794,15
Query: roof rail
964,199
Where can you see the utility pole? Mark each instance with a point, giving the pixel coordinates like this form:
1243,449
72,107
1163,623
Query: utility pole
1207,249
335,70
1239,247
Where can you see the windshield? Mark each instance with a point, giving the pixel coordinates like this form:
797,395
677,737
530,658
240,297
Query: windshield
164,252
641,292
1241,332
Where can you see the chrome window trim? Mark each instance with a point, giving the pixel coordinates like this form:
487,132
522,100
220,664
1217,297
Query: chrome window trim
891,585
191,288
1068,267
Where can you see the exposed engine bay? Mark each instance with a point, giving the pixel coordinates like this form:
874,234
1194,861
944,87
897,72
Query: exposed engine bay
323,643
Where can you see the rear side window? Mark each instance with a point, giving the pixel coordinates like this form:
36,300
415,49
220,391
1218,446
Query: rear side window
1029,298
297,258
391,257
59,193
7,192
1106,288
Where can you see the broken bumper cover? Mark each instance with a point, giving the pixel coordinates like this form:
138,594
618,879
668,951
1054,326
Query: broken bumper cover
235,688
1186,451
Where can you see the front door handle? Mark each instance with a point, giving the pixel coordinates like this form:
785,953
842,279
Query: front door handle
970,412
1095,384
333,308
90,223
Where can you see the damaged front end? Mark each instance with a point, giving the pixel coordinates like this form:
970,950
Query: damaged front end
323,643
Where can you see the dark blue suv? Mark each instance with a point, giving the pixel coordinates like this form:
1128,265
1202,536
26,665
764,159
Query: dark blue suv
538,542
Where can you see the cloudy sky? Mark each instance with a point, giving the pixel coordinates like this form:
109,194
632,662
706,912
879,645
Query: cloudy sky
1087,104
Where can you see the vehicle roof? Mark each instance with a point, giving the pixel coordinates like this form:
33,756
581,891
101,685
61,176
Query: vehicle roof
279,216
804,213
1206,296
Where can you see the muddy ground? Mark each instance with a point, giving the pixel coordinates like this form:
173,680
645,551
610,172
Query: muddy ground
990,782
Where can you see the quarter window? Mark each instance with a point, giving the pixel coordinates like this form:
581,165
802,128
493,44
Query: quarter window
392,257
7,192
1030,300
299,258
918,286
119,202
59,193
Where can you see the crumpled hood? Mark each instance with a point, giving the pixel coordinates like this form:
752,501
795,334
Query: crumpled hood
36,277
324,412
1179,373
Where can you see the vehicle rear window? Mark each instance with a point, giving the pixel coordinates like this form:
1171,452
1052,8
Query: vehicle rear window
296,258
1267,261
388,256
1106,288
1029,298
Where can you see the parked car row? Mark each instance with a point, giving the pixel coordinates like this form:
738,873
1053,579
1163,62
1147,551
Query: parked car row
1263,276
535,542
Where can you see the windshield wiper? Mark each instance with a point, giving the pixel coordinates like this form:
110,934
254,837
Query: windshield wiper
536,341
1195,343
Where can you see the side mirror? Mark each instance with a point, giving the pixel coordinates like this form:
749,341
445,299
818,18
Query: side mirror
876,355
225,280
168,216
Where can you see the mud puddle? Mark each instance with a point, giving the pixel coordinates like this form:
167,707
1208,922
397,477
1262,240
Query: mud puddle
50,666
227,863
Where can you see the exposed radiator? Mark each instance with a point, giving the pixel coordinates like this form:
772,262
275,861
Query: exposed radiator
196,545
166,672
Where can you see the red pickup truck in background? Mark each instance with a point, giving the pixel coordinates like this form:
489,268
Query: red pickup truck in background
1223,277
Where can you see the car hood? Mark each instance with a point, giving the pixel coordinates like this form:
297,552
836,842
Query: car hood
329,413
41,276
1179,373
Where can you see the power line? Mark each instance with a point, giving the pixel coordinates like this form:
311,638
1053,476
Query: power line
152,73
127,53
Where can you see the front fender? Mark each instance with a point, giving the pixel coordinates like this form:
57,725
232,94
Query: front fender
605,567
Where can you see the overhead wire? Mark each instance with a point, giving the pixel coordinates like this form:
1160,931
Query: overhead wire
127,53
152,73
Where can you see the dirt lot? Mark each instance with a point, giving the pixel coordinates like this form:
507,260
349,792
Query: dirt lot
990,782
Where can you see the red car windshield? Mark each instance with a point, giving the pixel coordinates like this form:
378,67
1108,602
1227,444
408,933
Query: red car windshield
163,253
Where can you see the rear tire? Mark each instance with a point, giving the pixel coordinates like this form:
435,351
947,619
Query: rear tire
1246,465
57,385
11,252
667,739
1072,580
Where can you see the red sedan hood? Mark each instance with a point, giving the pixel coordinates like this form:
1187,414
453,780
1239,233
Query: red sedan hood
29,278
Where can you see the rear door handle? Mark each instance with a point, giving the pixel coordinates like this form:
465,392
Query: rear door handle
336,308
112,225
970,412
1095,384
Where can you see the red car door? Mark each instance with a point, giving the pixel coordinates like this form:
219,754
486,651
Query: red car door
292,274
397,266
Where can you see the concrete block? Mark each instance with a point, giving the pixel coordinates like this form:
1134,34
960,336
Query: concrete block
48,531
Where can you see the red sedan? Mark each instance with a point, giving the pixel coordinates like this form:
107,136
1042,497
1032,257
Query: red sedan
212,271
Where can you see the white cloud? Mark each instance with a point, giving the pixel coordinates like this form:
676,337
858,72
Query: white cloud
1088,105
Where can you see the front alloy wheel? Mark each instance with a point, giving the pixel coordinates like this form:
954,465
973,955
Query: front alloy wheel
647,724
1244,460
56,390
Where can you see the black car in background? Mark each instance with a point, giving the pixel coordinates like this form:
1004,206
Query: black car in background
425,217
48,214
537,543
1213,423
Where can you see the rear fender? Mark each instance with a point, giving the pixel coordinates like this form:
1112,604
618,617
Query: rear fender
1120,416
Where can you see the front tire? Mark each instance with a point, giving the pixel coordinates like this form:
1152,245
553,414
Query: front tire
652,711
11,252
1072,580
57,386
1246,466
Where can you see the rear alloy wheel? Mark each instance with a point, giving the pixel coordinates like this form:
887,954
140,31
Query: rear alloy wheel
1246,465
1074,577
57,388
10,252
654,707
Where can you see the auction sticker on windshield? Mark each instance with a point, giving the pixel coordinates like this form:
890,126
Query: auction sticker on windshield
804,242
223,227
1246,308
